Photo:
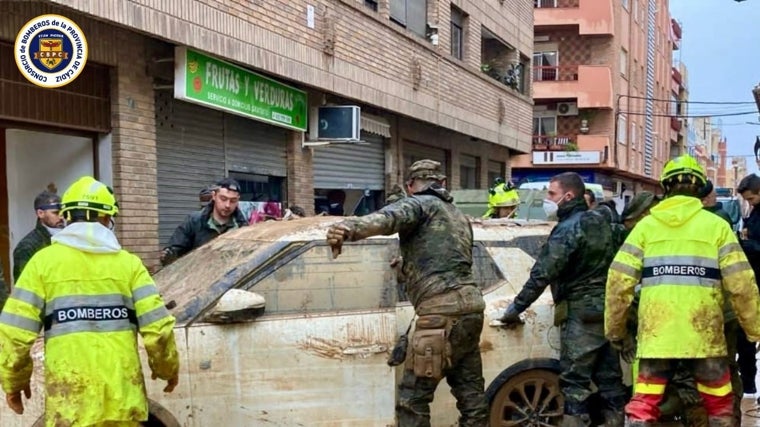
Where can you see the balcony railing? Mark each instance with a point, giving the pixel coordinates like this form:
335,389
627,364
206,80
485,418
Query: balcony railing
546,142
676,28
555,73
542,4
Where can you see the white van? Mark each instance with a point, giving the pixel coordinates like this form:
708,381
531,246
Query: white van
544,185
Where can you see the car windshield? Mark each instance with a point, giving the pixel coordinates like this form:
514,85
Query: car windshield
197,280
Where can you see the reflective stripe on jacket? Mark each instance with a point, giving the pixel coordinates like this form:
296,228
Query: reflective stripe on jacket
685,257
91,306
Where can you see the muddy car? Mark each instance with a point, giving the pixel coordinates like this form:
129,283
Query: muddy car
316,355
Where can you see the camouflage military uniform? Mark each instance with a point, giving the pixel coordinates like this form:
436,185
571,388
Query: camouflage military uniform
436,245
35,240
574,262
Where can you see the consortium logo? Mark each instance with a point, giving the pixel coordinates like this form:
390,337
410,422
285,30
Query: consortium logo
50,51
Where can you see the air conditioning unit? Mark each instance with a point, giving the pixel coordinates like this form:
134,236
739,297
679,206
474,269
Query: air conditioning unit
335,123
567,108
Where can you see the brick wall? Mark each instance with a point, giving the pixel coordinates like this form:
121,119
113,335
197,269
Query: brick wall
373,57
300,173
133,124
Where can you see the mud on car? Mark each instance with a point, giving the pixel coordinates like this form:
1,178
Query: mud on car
316,354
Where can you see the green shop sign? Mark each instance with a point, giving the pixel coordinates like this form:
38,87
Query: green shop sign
201,79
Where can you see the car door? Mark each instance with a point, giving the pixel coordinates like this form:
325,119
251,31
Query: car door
316,357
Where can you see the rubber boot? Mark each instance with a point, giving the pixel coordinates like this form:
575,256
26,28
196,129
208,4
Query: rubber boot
579,420
613,418
722,422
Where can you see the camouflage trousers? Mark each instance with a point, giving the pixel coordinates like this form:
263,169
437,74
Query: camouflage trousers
586,358
465,377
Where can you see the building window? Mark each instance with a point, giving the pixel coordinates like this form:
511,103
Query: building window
372,4
501,61
410,14
633,136
623,62
544,3
496,170
625,4
635,6
545,66
544,128
622,130
457,32
469,172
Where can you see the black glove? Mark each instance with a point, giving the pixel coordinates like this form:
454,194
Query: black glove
511,318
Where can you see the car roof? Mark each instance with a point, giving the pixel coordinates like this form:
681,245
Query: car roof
197,280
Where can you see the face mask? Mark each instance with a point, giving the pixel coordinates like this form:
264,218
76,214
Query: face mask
550,208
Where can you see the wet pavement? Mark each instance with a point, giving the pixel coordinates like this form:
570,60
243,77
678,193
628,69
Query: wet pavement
751,411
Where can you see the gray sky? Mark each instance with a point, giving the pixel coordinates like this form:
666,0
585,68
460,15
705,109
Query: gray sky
720,47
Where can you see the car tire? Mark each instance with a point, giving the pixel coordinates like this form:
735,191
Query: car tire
528,398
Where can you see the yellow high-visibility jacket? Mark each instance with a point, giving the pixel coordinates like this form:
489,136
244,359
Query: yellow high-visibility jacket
91,306
685,257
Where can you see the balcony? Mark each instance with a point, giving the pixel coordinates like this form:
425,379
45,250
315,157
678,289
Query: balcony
677,76
554,143
592,17
591,85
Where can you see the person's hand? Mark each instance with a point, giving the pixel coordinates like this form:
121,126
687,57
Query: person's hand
744,233
167,256
171,383
15,402
396,261
336,235
511,318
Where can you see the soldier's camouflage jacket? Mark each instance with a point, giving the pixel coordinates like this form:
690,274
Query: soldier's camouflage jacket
435,241
574,260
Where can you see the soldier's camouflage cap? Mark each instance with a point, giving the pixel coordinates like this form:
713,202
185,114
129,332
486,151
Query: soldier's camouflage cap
426,169
639,204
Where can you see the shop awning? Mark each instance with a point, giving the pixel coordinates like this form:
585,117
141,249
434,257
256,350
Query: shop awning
376,124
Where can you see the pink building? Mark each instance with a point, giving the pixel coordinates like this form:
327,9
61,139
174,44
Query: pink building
602,74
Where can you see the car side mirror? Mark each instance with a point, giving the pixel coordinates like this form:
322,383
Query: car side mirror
237,306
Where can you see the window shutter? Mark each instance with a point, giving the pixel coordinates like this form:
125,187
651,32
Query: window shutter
398,11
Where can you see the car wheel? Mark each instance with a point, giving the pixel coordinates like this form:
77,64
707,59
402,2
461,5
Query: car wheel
530,398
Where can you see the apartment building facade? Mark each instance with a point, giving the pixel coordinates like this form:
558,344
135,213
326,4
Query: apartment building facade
679,107
601,84
434,79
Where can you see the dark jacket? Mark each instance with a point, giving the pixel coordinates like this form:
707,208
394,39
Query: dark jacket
718,210
435,239
575,259
35,240
751,244
197,230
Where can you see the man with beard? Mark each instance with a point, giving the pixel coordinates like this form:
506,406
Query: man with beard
218,217
47,206
574,262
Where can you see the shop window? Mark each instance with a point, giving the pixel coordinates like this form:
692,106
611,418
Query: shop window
410,14
260,188
469,172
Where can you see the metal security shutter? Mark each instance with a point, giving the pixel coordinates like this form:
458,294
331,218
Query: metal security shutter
254,147
414,152
351,166
190,156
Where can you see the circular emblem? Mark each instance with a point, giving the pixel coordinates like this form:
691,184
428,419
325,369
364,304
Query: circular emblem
50,51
